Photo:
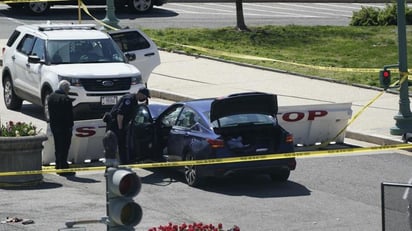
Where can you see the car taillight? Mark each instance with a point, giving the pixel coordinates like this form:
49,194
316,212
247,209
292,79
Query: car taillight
216,143
289,138
3,50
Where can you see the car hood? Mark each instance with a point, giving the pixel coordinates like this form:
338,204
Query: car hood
244,103
94,70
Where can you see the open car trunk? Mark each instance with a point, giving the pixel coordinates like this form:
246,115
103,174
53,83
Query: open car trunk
251,139
244,136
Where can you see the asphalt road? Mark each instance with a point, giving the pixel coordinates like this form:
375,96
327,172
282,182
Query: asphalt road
323,194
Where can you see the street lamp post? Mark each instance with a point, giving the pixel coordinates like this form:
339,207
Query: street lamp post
111,18
404,117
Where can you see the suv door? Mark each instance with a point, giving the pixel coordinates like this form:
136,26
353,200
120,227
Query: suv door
22,65
133,41
35,68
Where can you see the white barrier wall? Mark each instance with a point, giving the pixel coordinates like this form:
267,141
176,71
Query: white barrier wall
87,142
309,124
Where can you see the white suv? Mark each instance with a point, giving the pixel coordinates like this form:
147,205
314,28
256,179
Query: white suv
37,57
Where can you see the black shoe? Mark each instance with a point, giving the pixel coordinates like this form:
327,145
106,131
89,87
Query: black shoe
66,173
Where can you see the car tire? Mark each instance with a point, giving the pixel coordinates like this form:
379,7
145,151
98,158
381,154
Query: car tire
280,176
191,173
45,98
37,8
140,6
11,100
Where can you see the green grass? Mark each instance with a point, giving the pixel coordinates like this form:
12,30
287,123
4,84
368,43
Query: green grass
321,48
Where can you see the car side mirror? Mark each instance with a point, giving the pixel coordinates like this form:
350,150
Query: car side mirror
34,59
130,56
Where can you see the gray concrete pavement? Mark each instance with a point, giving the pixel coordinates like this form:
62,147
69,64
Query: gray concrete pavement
185,77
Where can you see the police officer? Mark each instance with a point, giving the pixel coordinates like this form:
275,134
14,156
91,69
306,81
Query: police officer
61,124
121,114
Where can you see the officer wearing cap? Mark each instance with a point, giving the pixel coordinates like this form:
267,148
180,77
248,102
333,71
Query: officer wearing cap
121,114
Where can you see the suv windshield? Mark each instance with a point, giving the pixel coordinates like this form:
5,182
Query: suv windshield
83,51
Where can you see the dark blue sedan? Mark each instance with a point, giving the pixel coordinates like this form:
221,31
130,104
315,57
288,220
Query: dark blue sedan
237,125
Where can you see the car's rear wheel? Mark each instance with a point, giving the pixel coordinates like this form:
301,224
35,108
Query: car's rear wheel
281,176
11,100
191,174
140,6
46,96
37,8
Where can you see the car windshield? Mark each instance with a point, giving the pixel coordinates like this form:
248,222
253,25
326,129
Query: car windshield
243,119
83,51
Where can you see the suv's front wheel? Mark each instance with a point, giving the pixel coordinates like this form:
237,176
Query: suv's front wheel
12,101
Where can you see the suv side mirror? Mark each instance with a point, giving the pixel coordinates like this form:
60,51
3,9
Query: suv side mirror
130,56
34,59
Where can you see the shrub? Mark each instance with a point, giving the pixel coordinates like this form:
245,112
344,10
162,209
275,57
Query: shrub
373,16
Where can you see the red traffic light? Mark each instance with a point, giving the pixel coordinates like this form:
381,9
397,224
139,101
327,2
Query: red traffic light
386,74
385,78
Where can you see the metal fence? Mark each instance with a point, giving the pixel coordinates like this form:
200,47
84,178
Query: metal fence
396,207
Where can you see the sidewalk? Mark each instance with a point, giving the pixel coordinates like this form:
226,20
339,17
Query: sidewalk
182,77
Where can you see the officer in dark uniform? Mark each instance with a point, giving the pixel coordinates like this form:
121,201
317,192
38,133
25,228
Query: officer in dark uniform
121,114
61,124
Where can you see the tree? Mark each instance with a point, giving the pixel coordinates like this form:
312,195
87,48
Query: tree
240,20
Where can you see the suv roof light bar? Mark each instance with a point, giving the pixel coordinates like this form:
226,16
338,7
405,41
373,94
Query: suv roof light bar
67,27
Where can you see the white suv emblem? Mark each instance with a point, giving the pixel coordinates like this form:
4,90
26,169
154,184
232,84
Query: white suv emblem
107,83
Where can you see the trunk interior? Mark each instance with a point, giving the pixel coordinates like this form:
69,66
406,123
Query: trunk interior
251,139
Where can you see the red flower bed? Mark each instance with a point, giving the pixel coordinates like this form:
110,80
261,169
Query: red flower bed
193,227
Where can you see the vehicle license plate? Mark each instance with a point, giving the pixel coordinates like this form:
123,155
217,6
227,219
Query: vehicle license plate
109,100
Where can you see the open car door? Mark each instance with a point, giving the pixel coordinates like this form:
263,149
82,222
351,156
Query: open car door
141,134
135,42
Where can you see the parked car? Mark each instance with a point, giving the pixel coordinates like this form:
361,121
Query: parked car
37,57
42,7
237,125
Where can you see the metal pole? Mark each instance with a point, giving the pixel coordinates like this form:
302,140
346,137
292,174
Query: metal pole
111,18
404,117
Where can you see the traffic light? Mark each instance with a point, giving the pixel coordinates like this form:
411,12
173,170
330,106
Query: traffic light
122,185
385,78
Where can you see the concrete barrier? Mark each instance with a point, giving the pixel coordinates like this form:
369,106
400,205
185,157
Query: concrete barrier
309,124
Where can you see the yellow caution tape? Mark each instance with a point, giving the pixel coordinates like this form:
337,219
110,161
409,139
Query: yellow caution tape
84,8
276,156
324,144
